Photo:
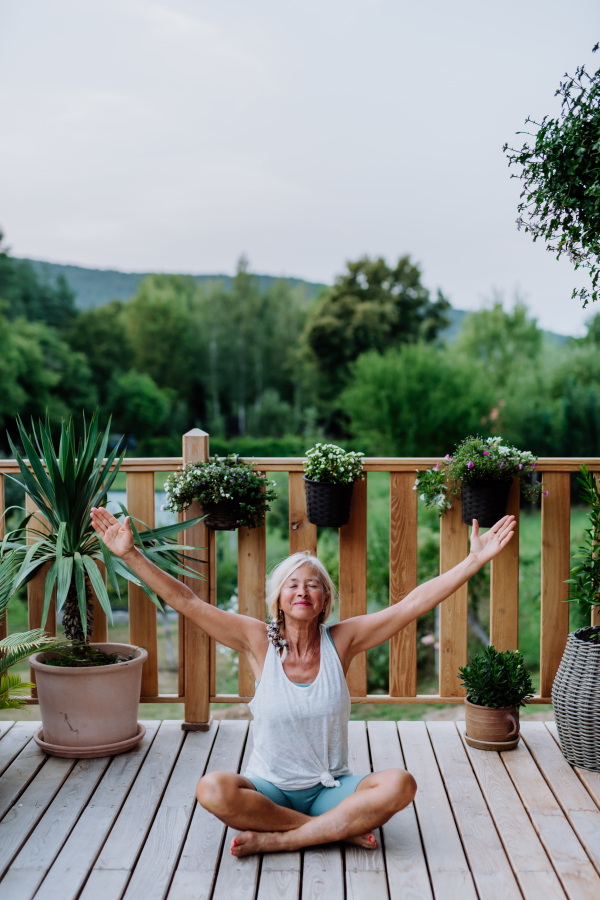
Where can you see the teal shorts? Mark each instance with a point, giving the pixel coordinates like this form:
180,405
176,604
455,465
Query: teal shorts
312,801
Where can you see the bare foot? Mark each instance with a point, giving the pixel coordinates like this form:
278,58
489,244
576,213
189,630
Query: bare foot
248,842
367,840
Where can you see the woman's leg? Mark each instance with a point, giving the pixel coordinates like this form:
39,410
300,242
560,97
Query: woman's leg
376,799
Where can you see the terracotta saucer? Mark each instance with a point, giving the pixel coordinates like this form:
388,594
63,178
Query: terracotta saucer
89,752
492,745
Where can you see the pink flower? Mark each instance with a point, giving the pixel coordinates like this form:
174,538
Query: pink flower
520,465
436,646
427,639
533,466
437,465
545,493
486,452
501,464
470,466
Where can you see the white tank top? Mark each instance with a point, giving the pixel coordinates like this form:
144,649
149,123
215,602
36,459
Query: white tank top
301,732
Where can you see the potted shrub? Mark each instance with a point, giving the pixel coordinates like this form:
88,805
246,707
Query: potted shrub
88,693
482,470
497,684
230,491
329,476
576,688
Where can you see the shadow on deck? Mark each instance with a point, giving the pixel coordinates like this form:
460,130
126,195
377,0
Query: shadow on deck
487,825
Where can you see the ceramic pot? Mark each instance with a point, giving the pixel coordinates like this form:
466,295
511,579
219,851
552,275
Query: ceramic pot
327,503
486,725
89,707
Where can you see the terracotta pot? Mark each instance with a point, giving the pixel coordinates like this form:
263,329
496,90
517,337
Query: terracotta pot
90,707
497,726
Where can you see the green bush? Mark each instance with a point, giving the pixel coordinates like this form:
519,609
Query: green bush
497,679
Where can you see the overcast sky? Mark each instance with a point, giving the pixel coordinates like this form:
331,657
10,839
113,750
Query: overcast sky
175,135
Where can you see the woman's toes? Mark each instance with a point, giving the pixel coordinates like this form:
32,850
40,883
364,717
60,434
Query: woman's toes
243,844
367,840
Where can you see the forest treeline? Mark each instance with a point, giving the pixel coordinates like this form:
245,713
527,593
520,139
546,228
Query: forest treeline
268,371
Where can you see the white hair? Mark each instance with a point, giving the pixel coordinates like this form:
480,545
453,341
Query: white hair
287,567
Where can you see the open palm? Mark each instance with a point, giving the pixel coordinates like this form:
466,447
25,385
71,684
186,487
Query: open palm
486,546
117,536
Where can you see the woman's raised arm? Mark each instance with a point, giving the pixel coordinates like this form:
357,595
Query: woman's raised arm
235,631
360,633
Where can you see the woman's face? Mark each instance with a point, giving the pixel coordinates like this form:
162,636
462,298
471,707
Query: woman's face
302,595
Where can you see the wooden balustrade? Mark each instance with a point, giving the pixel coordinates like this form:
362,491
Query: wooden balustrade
197,654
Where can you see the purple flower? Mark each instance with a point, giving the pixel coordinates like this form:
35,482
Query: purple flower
437,465
486,452
501,464
533,466
471,464
520,465
545,493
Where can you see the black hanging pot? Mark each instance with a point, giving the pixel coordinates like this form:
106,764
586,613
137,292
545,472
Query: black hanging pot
485,502
222,515
328,503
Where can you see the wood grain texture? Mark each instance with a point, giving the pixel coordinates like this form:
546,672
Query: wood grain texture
22,818
34,860
197,867
448,868
408,878
323,873
78,855
556,511
237,877
20,773
303,535
454,547
493,876
353,579
403,579
527,857
279,877
36,587
252,574
570,861
196,641
143,629
5,727
15,738
118,856
575,801
154,869
99,633
365,869
212,596
504,584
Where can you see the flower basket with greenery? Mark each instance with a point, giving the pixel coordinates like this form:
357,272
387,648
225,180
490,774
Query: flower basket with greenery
231,492
329,476
497,684
576,688
482,470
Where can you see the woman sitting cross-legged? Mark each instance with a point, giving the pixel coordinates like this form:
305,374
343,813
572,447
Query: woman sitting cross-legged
297,789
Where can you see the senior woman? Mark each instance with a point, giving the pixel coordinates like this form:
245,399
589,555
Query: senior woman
298,789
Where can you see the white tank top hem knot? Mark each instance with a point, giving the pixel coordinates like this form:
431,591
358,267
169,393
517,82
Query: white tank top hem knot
300,732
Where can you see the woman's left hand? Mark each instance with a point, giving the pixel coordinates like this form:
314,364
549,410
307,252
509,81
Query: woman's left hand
485,547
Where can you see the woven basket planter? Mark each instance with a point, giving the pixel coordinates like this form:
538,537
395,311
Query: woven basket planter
223,515
576,700
485,502
327,503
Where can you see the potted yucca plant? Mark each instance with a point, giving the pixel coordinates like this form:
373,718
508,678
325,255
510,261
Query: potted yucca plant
482,471
329,476
231,492
576,688
497,684
88,693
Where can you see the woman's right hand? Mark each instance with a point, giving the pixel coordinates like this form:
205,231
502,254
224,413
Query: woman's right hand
117,536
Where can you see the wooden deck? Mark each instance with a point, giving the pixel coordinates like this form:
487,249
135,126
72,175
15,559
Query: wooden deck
487,825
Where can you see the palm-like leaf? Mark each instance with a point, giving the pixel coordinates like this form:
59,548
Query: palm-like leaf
16,647
65,485
11,691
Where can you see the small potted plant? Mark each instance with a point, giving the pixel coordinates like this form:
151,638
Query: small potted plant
576,688
329,476
230,491
497,684
88,693
482,470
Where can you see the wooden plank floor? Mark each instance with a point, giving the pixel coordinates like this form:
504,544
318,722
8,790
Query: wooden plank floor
493,826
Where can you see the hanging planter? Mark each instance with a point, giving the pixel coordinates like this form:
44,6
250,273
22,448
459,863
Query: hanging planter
231,492
330,473
485,502
482,470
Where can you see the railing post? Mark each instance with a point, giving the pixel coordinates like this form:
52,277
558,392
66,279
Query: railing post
303,535
353,579
403,579
504,585
143,626
252,566
4,622
36,587
454,547
556,560
196,642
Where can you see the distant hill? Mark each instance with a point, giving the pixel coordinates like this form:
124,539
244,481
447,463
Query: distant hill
93,287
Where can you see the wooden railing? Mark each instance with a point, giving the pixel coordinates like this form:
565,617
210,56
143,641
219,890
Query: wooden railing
197,653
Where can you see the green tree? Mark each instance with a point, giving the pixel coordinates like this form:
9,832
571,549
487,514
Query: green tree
370,307
503,341
138,406
101,334
416,400
32,297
